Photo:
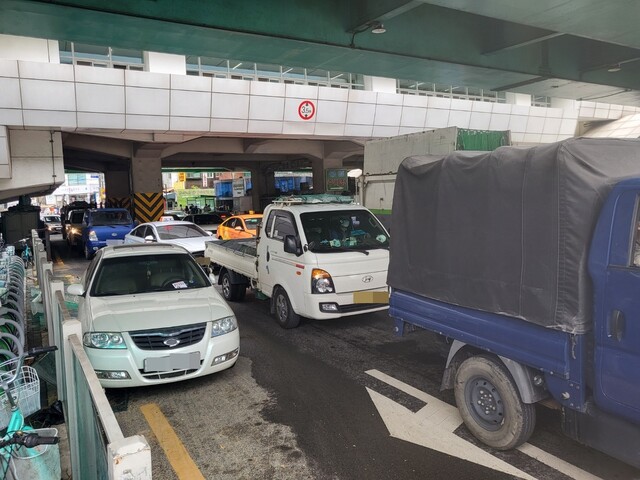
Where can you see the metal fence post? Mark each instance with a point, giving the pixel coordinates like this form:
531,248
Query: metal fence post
56,313
70,328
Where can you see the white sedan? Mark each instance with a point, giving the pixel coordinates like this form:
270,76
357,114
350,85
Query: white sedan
150,315
186,234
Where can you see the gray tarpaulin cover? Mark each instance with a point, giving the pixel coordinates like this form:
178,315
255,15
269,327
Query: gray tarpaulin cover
508,231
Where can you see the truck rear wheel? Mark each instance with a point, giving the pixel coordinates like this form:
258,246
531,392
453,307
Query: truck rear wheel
285,315
490,404
231,291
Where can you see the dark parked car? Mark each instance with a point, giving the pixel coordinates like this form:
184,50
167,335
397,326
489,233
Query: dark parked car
206,221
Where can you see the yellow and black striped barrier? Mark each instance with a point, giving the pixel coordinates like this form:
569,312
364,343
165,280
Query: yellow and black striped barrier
118,202
148,207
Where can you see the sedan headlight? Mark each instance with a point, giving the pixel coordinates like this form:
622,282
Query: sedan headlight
103,340
223,325
93,237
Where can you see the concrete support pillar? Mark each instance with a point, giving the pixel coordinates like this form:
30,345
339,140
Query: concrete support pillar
117,185
317,169
257,189
146,180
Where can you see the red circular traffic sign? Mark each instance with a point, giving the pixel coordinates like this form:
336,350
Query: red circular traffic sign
306,110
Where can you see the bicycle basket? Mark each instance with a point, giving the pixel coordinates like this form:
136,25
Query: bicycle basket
26,389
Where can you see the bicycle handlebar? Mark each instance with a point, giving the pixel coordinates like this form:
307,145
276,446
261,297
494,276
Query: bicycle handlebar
7,381
35,351
29,440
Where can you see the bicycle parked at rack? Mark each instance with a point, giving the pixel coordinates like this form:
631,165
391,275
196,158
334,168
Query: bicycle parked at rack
25,453
26,255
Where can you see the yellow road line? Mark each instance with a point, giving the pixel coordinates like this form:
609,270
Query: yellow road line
175,451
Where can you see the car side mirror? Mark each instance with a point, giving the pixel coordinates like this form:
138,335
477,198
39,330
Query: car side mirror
238,228
75,289
292,245
149,239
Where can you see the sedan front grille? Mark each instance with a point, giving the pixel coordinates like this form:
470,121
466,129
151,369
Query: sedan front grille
168,338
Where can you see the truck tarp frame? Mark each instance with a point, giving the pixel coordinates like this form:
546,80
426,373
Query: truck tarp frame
509,231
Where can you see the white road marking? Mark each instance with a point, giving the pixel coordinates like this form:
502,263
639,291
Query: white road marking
556,463
433,427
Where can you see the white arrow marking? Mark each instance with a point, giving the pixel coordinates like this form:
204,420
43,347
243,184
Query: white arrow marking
433,427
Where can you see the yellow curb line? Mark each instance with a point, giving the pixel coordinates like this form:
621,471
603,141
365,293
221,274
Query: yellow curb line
176,453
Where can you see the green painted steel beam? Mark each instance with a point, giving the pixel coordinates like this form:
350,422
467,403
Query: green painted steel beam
502,43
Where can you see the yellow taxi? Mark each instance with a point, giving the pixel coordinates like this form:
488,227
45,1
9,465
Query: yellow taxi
239,226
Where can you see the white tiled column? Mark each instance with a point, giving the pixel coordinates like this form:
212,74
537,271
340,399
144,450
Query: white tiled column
165,63
5,164
518,98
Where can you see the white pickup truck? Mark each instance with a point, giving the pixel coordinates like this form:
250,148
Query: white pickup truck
315,260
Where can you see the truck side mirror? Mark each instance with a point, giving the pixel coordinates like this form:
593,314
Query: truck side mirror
292,245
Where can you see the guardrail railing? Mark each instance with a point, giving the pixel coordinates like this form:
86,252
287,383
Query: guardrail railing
98,447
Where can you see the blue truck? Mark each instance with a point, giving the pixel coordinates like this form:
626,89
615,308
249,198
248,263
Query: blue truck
528,262
102,227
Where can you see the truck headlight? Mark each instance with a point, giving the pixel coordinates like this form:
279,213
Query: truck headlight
223,325
92,236
109,340
321,282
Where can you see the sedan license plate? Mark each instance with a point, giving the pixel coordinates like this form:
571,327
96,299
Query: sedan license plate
175,361
114,242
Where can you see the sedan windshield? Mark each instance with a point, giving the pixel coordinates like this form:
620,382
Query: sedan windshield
171,232
252,223
341,230
147,273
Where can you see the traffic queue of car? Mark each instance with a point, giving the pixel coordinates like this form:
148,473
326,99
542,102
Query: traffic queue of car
150,313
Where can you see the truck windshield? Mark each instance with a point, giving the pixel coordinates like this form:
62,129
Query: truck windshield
110,218
343,230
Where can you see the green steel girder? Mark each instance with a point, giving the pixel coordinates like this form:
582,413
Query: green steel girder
487,44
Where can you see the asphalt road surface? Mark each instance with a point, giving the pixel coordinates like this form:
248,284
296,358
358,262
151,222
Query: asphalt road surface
341,399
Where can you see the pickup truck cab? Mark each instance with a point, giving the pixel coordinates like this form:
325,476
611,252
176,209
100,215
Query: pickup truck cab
316,260
104,226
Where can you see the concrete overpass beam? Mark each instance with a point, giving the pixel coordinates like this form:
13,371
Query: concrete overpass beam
31,161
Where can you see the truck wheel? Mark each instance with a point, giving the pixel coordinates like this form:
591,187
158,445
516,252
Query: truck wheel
232,292
490,405
285,315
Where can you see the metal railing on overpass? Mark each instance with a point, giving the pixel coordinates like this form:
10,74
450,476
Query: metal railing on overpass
98,447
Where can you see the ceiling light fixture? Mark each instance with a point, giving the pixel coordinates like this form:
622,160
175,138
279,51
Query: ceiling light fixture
375,26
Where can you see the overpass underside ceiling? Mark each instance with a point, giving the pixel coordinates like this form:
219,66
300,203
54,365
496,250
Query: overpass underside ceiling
92,161
89,153
533,47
